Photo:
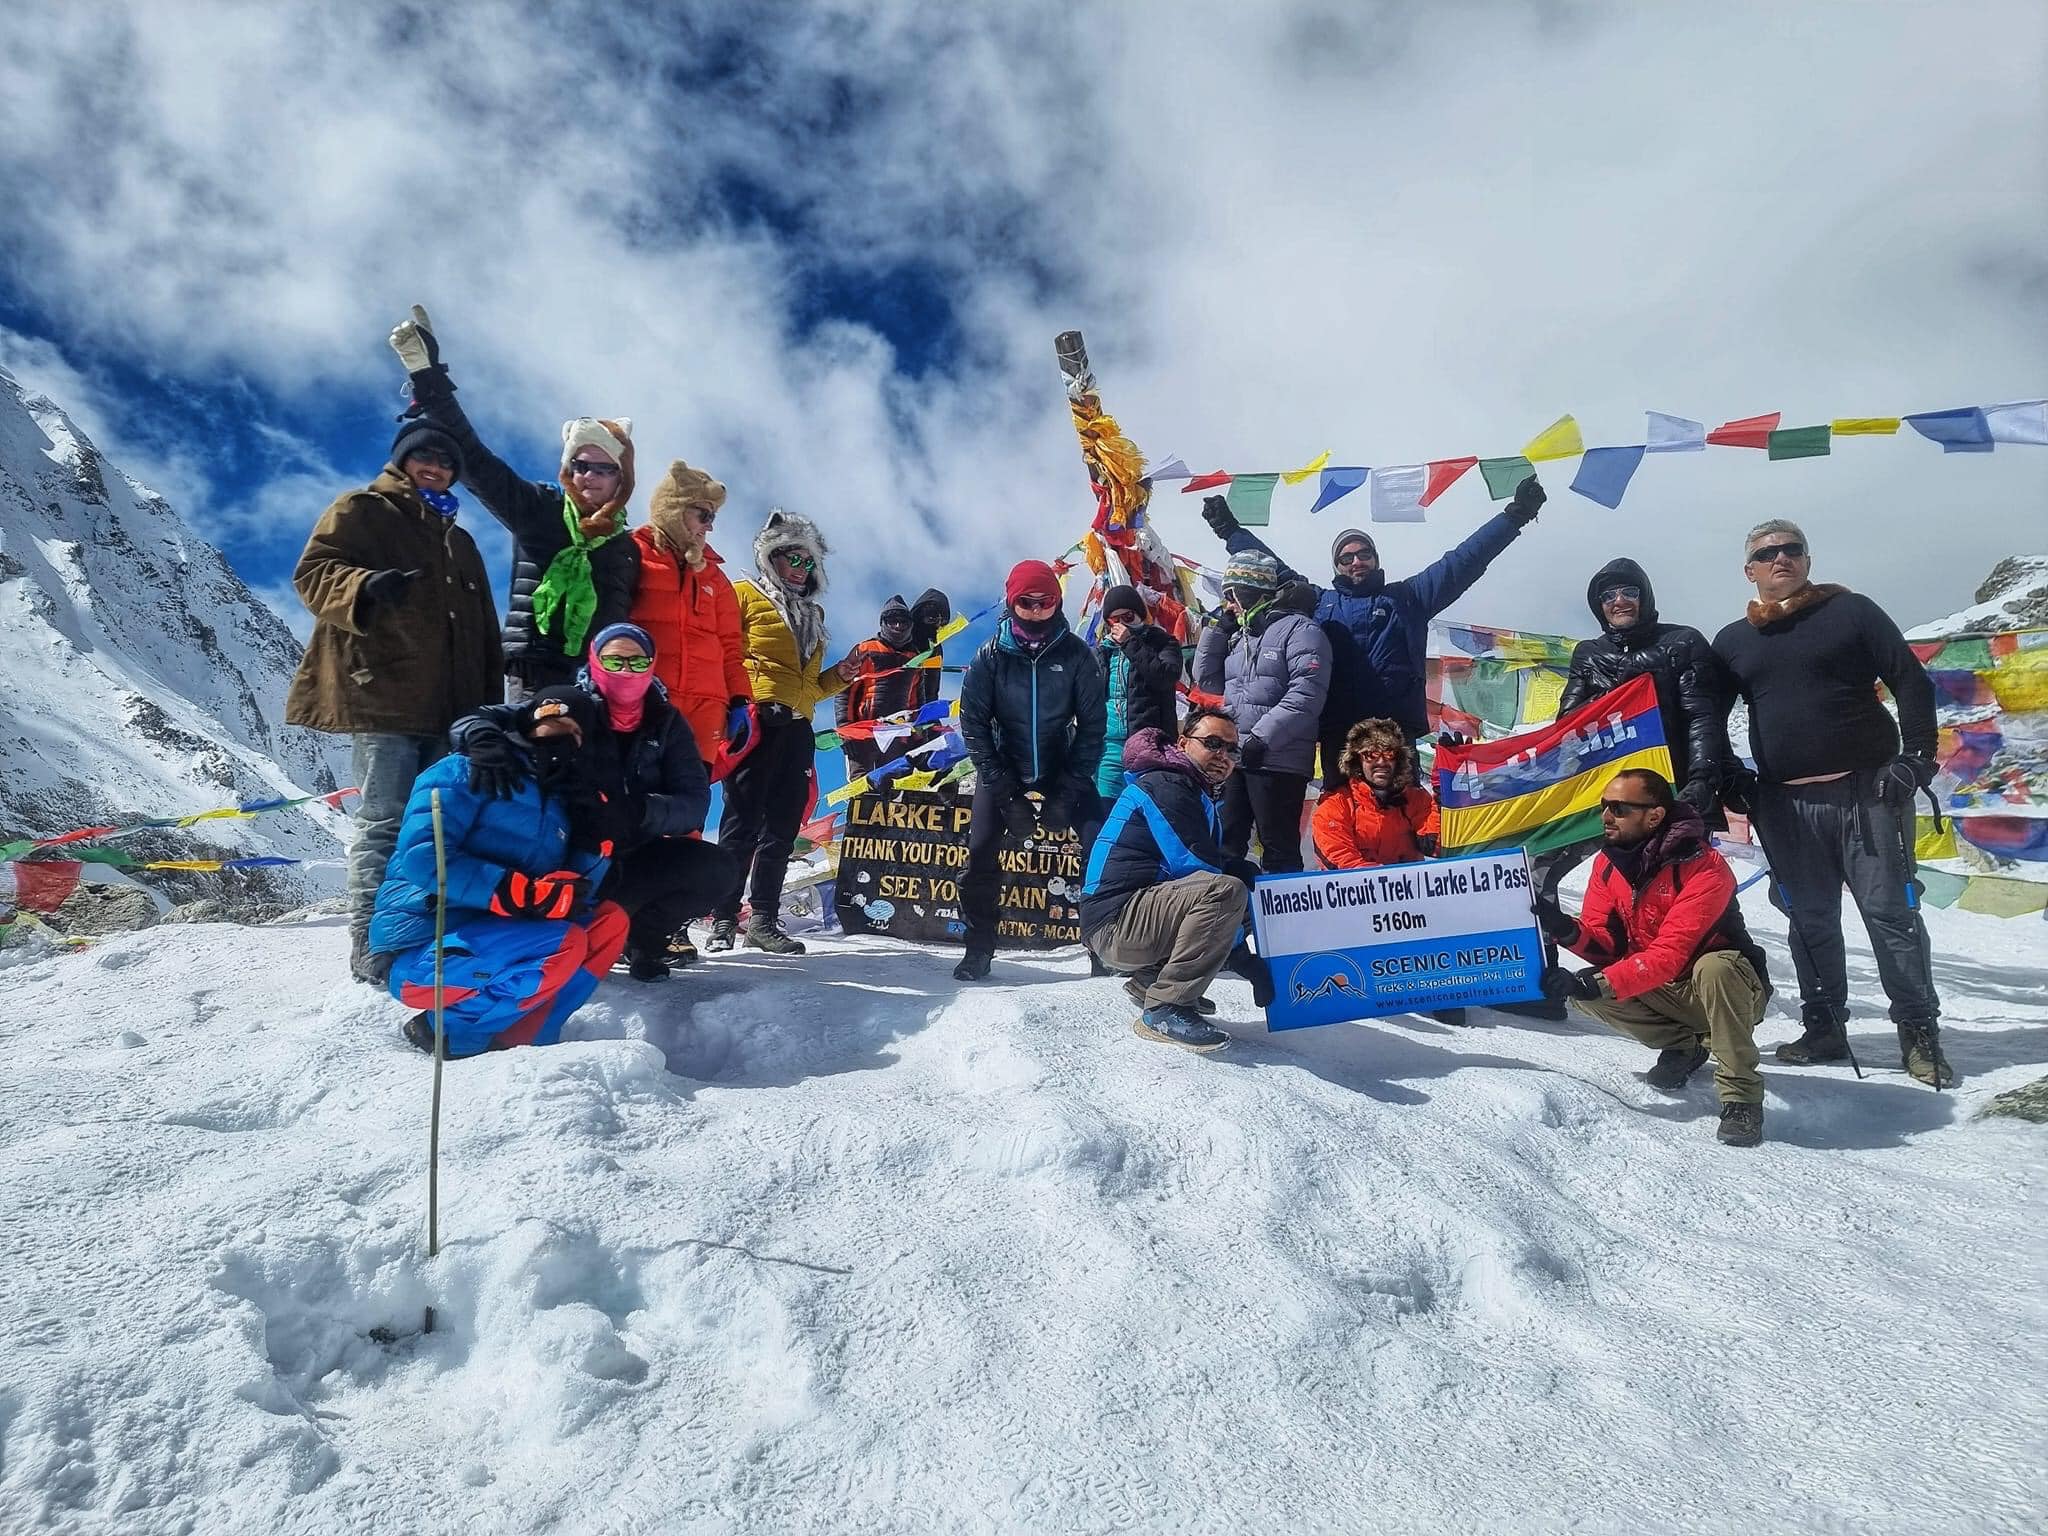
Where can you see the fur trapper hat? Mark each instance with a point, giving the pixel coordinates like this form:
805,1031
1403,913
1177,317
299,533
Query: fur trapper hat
667,510
1379,736
615,437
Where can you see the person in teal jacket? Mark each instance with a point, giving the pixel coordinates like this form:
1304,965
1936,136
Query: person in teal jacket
1141,667
525,941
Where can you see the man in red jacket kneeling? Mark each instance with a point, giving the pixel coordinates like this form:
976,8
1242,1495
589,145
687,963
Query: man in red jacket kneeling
1673,962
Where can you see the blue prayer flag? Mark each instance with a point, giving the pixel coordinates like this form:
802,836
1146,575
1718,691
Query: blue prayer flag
1959,431
1339,483
1604,473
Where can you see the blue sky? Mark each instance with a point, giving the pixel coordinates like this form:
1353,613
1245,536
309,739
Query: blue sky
823,249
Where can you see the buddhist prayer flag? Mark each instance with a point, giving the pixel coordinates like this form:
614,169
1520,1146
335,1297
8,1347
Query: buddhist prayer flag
1172,469
1296,476
1397,493
2024,421
1339,483
1959,431
1206,482
1503,475
1674,434
1749,432
1864,426
1604,474
1443,474
1798,443
1540,789
951,627
1251,499
1559,440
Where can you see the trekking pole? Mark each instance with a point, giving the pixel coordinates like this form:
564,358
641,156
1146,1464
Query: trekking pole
440,1048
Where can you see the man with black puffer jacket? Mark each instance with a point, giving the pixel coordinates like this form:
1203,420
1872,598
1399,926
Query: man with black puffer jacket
1832,794
1033,716
1379,629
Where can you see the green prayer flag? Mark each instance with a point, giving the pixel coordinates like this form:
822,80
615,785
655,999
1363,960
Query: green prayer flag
1970,654
825,741
1490,691
1939,888
9,851
1503,475
1799,442
1251,499
111,856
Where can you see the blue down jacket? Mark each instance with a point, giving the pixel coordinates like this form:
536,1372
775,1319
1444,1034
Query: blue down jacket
1379,629
1163,826
1273,673
485,839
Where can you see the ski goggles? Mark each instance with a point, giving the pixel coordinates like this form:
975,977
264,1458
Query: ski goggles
625,663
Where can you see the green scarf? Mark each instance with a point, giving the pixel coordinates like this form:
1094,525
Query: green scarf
566,587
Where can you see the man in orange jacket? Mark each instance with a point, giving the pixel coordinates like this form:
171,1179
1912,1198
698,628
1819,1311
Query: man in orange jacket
1674,964
1380,814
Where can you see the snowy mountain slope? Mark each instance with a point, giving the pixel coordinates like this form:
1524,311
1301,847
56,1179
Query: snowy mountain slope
835,1246
2013,596
144,679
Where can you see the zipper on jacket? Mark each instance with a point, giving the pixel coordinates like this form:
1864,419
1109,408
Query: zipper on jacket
1034,717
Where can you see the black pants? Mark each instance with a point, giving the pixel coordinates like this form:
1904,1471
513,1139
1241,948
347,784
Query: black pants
664,883
981,885
764,807
1272,802
1821,837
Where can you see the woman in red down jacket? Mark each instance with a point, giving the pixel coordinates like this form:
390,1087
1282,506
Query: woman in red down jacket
1381,815
685,601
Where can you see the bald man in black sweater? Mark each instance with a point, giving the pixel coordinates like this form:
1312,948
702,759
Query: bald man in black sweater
1832,795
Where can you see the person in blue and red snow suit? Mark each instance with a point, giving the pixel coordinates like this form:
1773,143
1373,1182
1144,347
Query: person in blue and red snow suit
525,941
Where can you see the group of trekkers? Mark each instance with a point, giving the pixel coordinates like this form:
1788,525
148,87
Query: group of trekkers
532,804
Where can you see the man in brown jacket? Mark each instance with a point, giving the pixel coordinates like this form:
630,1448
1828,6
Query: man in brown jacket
405,641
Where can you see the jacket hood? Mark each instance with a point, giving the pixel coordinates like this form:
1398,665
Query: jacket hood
932,601
1149,749
1622,572
784,530
1683,834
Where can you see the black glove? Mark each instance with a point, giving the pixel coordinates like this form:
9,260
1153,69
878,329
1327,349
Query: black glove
1427,843
496,768
1254,751
1227,620
555,895
1559,984
1453,739
1904,777
1529,499
1697,795
1559,926
1217,514
1242,869
1254,969
1057,814
385,588
1738,790
1020,816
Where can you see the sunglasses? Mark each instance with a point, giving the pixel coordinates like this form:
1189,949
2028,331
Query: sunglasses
1356,557
1631,594
1620,808
1125,618
796,559
625,663
439,457
704,515
1378,755
1032,603
1218,744
592,467
1765,554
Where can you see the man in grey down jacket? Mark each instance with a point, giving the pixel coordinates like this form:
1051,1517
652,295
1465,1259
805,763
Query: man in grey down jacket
1266,655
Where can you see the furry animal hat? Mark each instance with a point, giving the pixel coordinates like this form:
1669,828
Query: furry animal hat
801,611
668,510
1379,736
615,437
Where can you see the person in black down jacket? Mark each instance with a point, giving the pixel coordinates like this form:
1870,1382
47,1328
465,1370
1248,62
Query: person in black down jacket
1033,717
1141,669
651,772
573,568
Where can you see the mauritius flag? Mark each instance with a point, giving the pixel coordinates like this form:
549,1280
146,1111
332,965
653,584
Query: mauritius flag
1541,790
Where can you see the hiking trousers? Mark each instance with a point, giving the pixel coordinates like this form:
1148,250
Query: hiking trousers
664,884
1821,837
1720,1000
764,810
384,764
1175,937
987,836
1271,802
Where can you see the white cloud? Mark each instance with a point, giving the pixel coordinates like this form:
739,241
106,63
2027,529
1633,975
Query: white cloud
1400,232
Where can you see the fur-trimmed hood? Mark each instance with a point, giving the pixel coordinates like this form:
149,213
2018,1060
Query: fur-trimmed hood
667,510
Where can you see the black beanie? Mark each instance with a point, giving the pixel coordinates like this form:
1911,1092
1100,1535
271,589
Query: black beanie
562,699
1117,599
419,432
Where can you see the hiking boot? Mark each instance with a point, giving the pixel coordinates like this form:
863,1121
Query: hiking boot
1448,1015
371,970
974,965
1176,1025
419,1034
724,935
1826,1037
1920,1054
1742,1125
768,937
1135,990
1675,1066
681,951
647,965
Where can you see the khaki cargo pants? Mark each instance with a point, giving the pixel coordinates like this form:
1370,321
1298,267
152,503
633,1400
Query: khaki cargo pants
1175,937
1719,1000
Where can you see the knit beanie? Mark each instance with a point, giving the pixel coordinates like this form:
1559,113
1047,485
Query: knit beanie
1030,576
622,631
562,699
1354,536
1121,599
589,432
1254,569
895,610
417,432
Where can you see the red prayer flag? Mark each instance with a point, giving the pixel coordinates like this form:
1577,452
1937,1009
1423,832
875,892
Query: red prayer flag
1749,432
1206,482
79,836
1442,474
42,886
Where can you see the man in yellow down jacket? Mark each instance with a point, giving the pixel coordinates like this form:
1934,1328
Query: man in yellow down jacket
405,640
782,632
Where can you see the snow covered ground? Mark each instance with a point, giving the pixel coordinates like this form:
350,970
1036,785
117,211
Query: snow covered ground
831,1245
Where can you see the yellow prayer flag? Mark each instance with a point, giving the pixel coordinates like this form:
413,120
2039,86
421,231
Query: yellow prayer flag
202,865
1864,426
1559,440
1540,698
846,792
1296,476
1930,844
951,627
919,780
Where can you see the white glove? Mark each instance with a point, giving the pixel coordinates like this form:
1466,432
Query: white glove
413,341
